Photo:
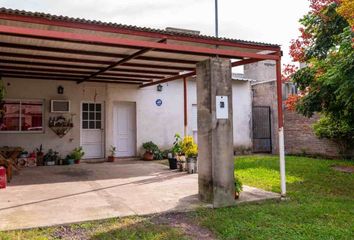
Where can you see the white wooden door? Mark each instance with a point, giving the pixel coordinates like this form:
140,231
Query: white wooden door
125,129
92,129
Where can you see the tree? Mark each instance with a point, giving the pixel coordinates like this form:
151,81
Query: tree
326,45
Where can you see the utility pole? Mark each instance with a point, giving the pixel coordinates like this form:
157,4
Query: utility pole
216,19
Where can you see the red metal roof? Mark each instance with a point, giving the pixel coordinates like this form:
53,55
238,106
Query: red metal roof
44,46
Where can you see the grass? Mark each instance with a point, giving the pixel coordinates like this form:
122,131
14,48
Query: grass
129,228
320,205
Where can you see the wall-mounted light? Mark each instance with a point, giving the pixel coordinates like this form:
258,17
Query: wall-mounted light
159,88
60,90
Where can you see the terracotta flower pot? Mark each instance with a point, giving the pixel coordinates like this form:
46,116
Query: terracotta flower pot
148,156
110,159
77,161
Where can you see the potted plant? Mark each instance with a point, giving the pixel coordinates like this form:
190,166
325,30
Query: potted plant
238,187
40,155
150,149
172,161
175,152
77,154
112,153
51,158
69,160
190,149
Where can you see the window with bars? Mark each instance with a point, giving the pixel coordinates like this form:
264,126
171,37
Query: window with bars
92,115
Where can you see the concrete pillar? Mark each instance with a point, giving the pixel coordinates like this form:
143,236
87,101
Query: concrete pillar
215,136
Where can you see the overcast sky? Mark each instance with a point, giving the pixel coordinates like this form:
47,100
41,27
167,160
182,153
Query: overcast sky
272,21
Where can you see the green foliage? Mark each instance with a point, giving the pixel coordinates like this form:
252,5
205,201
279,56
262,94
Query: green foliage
77,153
334,128
2,90
51,155
150,147
158,155
328,80
324,28
238,185
177,145
153,148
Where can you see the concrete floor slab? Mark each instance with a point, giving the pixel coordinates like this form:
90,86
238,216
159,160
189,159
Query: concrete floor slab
45,196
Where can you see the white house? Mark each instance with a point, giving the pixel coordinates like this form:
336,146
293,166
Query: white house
110,114
100,77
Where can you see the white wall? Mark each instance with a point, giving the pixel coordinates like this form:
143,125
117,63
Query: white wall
242,112
47,90
154,123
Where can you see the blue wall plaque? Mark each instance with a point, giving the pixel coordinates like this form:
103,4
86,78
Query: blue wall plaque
158,102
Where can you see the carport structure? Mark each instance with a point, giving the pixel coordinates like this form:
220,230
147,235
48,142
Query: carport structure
42,46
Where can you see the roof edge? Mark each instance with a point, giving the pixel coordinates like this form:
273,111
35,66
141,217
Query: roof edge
71,22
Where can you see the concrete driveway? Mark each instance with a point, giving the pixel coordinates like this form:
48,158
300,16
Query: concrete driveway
45,196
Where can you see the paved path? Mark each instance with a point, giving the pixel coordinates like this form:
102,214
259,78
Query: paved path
44,196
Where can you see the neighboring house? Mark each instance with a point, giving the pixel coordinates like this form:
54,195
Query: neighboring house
299,135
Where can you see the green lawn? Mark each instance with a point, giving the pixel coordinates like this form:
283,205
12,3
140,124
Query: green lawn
320,205
129,228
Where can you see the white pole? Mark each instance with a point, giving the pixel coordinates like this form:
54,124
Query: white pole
282,162
281,130
216,19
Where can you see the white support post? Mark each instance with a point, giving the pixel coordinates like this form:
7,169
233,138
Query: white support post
282,162
281,130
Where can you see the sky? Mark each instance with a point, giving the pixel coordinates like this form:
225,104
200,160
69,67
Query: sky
270,21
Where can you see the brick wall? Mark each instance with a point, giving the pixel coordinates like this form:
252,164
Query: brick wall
300,138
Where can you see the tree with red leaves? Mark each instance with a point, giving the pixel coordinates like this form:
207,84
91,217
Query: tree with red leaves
326,84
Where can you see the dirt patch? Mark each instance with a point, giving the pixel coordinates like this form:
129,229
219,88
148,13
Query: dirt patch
72,233
182,221
346,169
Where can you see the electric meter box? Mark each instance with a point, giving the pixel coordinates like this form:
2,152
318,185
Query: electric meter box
222,107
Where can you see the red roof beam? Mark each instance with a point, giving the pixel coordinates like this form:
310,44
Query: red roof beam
61,65
66,79
91,53
63,75
120,62
128,43
71,71
192,73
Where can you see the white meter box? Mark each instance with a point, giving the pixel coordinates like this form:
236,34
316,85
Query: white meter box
222,107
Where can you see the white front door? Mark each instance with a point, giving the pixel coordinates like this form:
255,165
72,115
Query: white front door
92,129
125,129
